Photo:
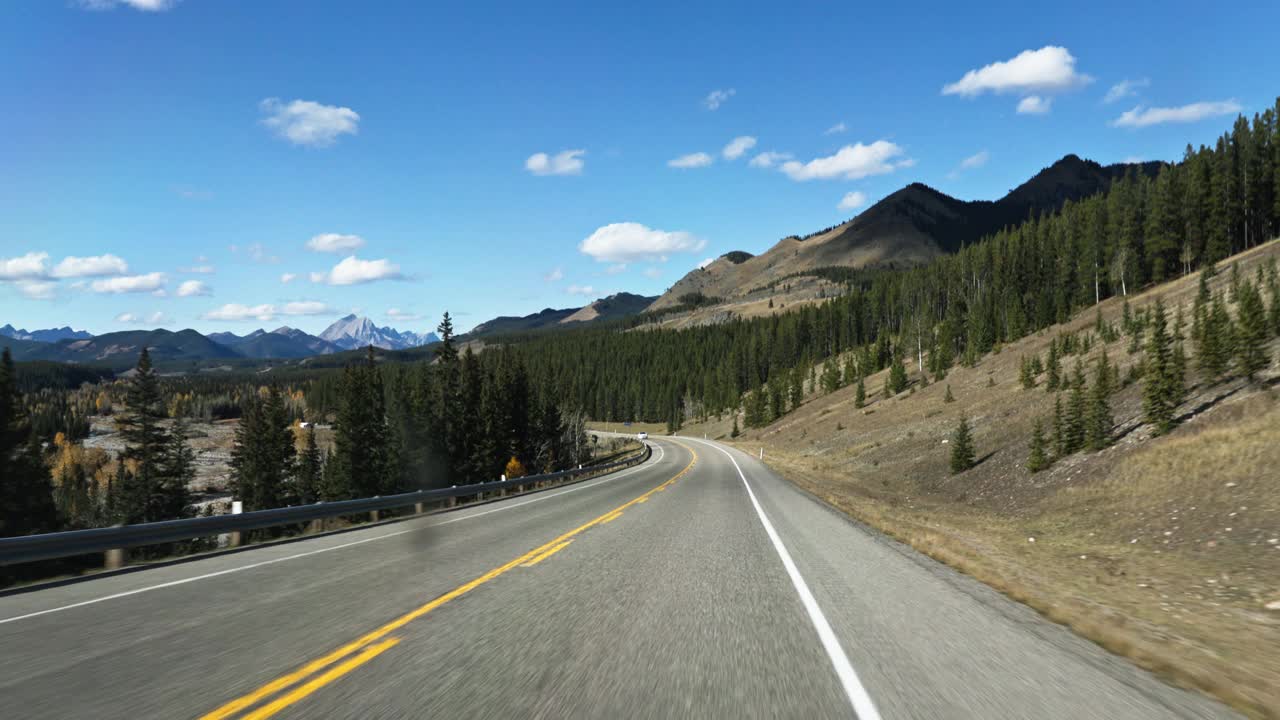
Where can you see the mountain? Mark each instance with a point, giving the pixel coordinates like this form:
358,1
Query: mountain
283,342
615,306
120,349
353,332
908,227
48,336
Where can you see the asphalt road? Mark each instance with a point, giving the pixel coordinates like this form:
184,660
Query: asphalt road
725,592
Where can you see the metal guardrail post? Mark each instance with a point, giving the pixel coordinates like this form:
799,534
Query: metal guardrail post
237,507
115,558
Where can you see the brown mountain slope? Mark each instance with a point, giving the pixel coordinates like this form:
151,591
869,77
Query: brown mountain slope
908,227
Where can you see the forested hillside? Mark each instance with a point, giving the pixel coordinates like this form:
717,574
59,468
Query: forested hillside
1216,201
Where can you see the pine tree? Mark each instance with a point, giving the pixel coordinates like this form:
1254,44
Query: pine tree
897,378
860,394
1251,335
262,459
310,471
734,432
1053,367
26,496
1024,374
796,389
962,452
948,397
1217,338
830,376
361,462
154,490
1160,396
1074,416
1098,420
1037,460
1059,428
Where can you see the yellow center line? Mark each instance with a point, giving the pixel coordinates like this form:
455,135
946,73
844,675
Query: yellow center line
547,554
320,663
341,669
611,518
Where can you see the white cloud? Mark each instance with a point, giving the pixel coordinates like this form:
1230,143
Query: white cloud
150,282
556,275
769,158
354,271
738,147
304,122
836,129
197,270
975,160
705,263
402,315
653,273
1034,105
306,307
632,242
851,162
1143,117
580,290
853,200
288,278
155,318
235,312
258,254
692,160
334,243
1049,69
26,267
565,162
143,5
38,289
1125,88
716,98
192,288
96,266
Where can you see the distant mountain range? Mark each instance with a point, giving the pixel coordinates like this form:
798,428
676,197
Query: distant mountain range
910,226
120,349
50,335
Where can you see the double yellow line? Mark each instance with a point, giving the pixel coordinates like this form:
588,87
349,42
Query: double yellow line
369,646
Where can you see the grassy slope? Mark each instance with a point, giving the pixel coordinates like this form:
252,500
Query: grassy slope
1161,549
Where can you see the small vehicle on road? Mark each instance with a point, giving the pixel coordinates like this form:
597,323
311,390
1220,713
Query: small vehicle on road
642,436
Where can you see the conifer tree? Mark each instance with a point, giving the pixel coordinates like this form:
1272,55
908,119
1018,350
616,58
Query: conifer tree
361,460
1160,396
156,489
26,495
309,470
897,381
1098,420
860,394
1024,374
1037,459
262,459
1251,335
1074,416
948,397
1053,368
1217,339
734,432
1059,428
962,452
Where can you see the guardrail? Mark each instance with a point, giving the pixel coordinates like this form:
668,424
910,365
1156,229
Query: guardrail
112,540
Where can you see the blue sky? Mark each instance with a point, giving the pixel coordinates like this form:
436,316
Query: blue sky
171,163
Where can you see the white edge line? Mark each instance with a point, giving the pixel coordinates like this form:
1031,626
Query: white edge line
853,688
273,561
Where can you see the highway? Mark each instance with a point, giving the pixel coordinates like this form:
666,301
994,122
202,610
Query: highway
699,584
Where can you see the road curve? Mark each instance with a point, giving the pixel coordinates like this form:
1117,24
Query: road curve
699,584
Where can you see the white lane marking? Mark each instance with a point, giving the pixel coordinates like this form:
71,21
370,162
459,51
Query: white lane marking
858,697
273,561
